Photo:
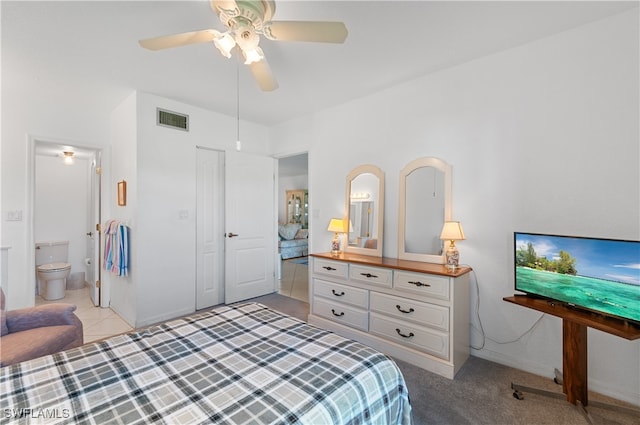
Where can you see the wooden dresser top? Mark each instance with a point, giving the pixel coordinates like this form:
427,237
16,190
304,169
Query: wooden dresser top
394,263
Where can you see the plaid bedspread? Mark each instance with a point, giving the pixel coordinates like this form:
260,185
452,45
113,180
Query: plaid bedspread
242,364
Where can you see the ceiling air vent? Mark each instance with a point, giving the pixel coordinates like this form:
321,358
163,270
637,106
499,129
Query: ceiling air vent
172,119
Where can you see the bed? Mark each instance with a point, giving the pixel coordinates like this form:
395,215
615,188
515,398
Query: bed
238,364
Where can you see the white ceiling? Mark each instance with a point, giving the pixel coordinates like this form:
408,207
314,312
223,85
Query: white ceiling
89,50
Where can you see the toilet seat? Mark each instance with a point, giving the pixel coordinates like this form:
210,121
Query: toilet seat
53,267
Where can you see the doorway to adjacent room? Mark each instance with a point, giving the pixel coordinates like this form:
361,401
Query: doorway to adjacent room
293,273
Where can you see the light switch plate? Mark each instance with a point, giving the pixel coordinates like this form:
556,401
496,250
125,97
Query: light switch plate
15,215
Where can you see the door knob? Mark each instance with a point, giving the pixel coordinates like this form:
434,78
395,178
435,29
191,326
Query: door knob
231,234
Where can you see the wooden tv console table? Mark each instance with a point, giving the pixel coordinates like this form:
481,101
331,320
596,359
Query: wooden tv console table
574,341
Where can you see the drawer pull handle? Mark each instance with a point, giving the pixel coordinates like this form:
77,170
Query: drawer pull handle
411,335
368,275
411,310
337,294
419,284
337,314
328,268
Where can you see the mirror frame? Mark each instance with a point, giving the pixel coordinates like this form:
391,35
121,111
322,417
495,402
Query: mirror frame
440,165
362,169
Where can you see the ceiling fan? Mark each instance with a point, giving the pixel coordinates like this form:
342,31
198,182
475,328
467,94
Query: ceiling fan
246,20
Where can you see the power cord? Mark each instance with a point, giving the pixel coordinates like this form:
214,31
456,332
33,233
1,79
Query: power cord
481,331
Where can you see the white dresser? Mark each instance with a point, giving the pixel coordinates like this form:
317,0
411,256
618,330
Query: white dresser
416,312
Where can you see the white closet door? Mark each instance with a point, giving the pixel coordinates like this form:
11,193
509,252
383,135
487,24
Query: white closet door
249,225
210,228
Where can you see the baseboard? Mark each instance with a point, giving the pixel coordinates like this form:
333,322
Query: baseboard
163,317
514,362
595,385
123,316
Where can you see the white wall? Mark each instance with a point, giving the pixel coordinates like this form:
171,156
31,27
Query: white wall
61,197
541,138
32,116
159,167
163,186
121,290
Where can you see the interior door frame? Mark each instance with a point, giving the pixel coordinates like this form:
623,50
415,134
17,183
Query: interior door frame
97,192
29,216
278,200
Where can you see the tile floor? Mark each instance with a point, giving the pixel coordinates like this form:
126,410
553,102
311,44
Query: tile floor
294,281
97,322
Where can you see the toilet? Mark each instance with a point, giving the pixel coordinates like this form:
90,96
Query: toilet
52,268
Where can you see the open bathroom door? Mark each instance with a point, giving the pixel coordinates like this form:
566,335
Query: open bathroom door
94,236
249,226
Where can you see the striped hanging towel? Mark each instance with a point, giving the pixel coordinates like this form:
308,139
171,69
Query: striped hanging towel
123,250
116,250
110,243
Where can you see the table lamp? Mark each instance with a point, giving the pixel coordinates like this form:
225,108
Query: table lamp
336,225
452,231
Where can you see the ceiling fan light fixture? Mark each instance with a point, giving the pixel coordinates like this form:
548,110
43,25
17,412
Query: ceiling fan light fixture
253,55
225,43
246,21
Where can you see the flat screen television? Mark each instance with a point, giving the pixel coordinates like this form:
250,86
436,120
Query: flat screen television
599,275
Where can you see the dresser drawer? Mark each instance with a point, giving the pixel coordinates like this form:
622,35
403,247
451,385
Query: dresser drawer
371,275
433,316
341,293
418,337
427,285
331,268
342,313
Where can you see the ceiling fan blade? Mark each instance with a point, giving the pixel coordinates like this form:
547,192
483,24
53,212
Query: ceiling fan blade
316,31
262,73
183,39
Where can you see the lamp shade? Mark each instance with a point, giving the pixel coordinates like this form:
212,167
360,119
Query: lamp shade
452,231
336,225
253,55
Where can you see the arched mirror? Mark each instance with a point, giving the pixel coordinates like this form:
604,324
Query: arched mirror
365,210
425,204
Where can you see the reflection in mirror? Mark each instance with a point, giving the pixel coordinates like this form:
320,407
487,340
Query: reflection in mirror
365,205
426,187
425,204
360,222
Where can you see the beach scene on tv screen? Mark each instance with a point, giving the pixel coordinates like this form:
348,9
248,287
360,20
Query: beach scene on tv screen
598,274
